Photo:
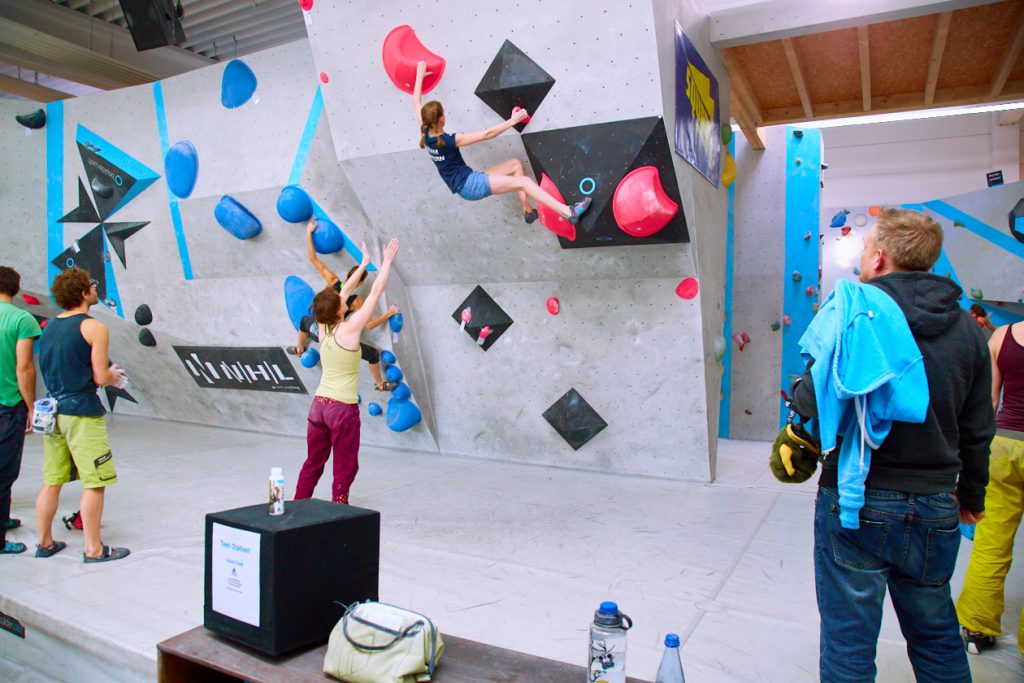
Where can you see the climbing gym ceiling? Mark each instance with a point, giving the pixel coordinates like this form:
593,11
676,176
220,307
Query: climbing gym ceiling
55,49
908,57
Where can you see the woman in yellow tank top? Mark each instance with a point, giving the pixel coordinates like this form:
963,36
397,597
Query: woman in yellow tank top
333,421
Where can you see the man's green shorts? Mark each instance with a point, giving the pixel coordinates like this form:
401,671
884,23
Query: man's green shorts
78,449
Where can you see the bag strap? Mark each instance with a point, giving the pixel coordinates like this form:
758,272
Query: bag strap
377,648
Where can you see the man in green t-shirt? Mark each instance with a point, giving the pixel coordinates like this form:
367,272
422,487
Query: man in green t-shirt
18,330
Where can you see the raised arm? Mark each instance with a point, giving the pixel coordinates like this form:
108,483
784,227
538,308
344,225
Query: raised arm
466,139
349,331
381,319
357,275
329,276
417,91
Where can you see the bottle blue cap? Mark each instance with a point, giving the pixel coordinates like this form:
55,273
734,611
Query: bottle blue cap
671,640
609,608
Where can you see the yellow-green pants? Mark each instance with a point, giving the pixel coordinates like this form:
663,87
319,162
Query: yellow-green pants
980,605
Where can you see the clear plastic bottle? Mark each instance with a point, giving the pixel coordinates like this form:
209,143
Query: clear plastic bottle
607,656
671,669
276,491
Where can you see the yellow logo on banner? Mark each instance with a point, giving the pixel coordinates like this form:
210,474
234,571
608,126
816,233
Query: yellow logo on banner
702,107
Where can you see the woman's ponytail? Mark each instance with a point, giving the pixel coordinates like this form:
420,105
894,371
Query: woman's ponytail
423,135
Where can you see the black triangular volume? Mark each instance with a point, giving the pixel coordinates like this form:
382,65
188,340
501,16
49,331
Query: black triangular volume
513,80
113,393
85,212
657,152
87,253
108,182
117,233
486,313
574,419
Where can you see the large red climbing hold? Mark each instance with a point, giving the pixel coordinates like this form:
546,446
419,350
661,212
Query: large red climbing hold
688,288
551,219
402,52
306,5
640,205
29,299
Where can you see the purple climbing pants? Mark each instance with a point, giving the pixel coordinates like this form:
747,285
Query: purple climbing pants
331,424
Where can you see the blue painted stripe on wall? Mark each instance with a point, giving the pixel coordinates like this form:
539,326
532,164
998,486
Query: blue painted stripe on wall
803,209
165,145
979,228
54,186
726,385
302,155
307,137
943,266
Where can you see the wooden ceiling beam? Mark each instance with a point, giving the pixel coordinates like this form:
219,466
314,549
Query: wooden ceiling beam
886,104
749,129
1013,49
798,77
741,86
865,67
938,50
30,91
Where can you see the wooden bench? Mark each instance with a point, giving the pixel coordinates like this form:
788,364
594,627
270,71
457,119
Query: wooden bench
198,656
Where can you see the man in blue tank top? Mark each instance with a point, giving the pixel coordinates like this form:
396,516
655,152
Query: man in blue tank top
74,364
18,331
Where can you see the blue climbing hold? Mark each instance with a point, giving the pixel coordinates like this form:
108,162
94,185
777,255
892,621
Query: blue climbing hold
374,409
395,323
310,358
327,238
294,205
401,392
298,299
839,220
394,373
236,219
387,358
402,415
181,168
237,84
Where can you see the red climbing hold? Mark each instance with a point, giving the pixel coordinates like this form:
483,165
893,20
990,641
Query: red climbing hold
741,339
306,5
550,218
42,323
688,288
402,52
526,119
29,299
640,205
323,77
553,305
846,230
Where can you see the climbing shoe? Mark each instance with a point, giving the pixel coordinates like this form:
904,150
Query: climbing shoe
50,550
73,521
12,523
976,642
11,548
530,216
578,209
108,555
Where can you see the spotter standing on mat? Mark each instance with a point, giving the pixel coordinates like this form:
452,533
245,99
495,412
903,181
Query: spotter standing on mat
347,291
507,177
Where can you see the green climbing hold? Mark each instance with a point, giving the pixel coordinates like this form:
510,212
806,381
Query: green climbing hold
726,135
856,271
775,326
959,224
977,293
797,277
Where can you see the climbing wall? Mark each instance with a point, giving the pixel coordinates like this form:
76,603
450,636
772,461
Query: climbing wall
23,195
170,194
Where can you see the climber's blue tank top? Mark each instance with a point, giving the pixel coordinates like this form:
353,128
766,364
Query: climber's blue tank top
65,361
448,160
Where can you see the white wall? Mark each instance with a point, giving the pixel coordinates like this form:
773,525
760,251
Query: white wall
915,161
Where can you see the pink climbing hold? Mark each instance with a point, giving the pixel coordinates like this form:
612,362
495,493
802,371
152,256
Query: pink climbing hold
306,5
786,320
553,305
741,339
640,205
526,119
401,53
551,219
688,288
29,299
323,77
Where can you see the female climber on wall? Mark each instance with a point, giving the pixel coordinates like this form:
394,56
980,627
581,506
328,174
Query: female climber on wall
333,422
508,176
355,277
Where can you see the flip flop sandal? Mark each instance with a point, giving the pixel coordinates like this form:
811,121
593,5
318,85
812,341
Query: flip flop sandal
11,548
12,523
50,550
108,555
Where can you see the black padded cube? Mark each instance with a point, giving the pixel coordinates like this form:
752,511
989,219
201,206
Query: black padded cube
574,419
313,559
486,313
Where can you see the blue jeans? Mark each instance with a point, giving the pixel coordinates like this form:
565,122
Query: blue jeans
12,439
908,543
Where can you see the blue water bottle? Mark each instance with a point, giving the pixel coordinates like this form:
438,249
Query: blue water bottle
671,669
